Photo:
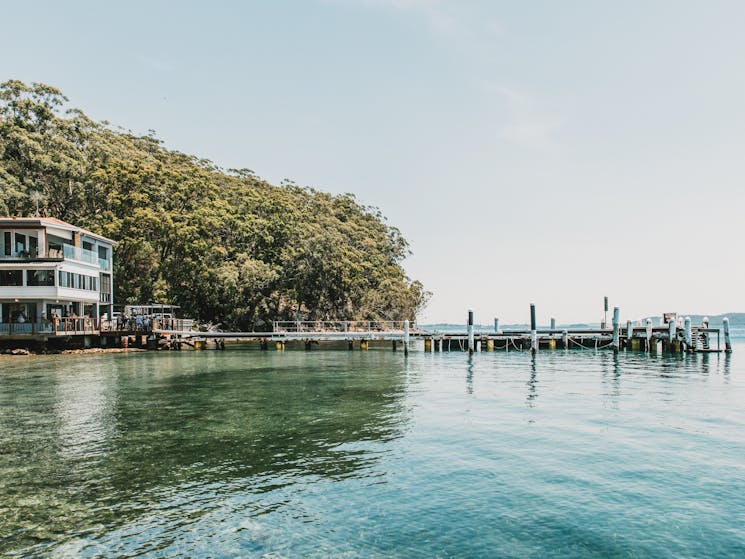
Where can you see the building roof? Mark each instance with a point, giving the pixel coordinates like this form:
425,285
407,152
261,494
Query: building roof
50,222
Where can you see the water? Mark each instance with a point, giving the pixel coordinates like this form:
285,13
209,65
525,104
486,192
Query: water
337,454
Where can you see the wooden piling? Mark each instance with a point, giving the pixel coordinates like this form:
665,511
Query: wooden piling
616,330
648,335
496,326
428,344
364,345
629,334
438,344
727,340
565,339
406,338
533,332
605,313
470,332
671,331
489,344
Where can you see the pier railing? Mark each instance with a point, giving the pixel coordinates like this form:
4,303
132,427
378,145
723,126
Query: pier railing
57,327
316,326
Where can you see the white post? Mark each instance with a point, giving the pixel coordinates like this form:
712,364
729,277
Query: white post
616,330
727,341
406,338
629,333
688,336
649,334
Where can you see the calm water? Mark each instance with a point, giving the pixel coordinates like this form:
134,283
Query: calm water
335,454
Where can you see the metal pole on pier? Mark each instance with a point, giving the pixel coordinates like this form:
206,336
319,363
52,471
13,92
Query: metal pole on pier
616,330
727,341
688,336
533,333
470,332
648,325
406,338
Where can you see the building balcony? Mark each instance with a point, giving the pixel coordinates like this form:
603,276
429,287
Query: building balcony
68,252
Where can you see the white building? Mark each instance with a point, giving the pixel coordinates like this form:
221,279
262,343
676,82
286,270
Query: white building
48,266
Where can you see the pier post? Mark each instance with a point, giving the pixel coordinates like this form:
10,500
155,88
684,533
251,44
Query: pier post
629,334
553,324
616,330
428,344
470,332
364,345
394,345
727,341
705,324
279,346
350,345
437,344
648,325
605,313
565,339
406,338
496,326
533,332
688,336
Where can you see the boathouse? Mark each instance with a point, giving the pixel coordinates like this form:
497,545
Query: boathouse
52,271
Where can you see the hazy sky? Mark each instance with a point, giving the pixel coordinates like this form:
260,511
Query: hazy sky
537,151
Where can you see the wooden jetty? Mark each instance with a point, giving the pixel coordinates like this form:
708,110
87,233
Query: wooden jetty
672,337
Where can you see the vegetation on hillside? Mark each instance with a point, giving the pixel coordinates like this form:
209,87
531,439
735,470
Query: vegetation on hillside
224,244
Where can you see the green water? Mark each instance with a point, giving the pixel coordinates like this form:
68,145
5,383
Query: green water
363,454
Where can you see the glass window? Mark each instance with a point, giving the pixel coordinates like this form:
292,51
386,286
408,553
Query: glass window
7,244
20,243
103,253
40,277
11,277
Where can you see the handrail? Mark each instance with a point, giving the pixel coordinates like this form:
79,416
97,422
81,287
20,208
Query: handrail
339,326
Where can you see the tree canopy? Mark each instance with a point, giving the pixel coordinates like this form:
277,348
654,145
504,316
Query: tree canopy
224,244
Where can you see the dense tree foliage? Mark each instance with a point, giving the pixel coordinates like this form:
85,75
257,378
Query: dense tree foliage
226,245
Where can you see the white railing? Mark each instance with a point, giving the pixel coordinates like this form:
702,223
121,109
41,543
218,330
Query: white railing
339,326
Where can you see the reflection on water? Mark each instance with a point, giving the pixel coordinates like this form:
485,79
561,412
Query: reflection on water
101,440
366,454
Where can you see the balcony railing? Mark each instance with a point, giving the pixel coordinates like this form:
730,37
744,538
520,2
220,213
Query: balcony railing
33,254
67,252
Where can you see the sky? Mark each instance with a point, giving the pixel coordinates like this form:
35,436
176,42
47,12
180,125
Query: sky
533,151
